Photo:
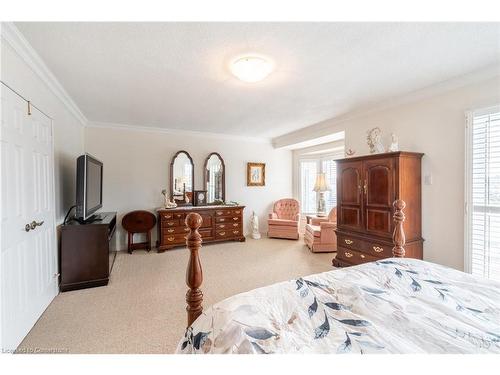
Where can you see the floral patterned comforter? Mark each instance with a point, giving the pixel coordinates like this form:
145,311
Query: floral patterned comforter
390,306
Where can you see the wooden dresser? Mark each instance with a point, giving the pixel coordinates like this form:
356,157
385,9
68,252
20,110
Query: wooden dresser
220,223
366,189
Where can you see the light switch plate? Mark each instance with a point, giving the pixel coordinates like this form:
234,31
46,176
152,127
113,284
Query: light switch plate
428,179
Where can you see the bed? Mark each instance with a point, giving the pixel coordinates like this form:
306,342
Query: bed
395,305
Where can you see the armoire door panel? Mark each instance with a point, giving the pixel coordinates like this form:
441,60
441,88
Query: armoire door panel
379,182
378,221
350,216
350,177
349,203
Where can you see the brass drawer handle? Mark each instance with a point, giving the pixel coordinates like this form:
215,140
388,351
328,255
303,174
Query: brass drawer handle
236,231
222,226
222,233
235,218
170,239
170,224
219,213
235,225
168,216
349,242
186,229
348,254
170,231
378,249
236,212
222,219
362,256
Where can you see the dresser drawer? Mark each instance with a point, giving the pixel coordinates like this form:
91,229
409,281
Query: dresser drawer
236,232
170,223
176,230
354,257
226,219
166,215
225,234
174,239
206,233
232,212
229,226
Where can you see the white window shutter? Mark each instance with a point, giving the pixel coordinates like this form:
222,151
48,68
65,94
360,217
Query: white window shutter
483,207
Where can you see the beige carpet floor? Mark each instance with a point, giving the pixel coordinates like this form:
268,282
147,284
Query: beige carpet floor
142,308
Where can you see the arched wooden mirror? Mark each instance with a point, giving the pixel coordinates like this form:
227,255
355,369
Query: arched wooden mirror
215,179
182,178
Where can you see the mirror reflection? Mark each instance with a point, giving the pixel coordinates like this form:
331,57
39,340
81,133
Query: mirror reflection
215,179
182,178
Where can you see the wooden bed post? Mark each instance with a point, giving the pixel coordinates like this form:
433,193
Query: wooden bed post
194,273
398,236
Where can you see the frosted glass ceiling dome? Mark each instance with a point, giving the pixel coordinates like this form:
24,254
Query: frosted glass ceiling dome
251,68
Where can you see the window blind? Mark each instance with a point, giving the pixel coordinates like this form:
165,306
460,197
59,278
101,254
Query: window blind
484,222
308,172
329,167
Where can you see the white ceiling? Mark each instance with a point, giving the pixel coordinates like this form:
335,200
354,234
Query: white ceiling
175,75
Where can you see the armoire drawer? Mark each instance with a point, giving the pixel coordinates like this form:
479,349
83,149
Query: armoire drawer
376,249
350,242
355,257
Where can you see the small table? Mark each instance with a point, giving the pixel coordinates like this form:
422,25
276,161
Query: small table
139,222
310,217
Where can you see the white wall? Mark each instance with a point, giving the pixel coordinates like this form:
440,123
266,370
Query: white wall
436,127
68,130
137,162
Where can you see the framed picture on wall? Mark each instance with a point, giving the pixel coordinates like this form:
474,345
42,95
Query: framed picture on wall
256,174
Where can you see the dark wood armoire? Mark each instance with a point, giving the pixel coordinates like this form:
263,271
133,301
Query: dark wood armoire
367,186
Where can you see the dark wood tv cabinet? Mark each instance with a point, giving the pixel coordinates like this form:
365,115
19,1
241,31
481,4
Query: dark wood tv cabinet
84,260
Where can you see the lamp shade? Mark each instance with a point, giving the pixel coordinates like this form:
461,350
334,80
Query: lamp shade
321,184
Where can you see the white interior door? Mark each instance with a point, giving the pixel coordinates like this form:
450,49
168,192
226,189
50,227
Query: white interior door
28,252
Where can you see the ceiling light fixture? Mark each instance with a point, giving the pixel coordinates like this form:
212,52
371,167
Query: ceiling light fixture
251,68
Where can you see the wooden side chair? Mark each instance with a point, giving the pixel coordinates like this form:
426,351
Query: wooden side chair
139,222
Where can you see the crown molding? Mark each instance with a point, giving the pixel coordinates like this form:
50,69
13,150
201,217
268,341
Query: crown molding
12,36
181,132
323,128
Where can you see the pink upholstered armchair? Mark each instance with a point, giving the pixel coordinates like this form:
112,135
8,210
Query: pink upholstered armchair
320,234
284,220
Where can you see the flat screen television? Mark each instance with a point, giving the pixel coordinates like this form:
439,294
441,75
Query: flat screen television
88,187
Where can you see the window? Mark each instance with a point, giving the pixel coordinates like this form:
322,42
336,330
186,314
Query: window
329,167
308,170
483,194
